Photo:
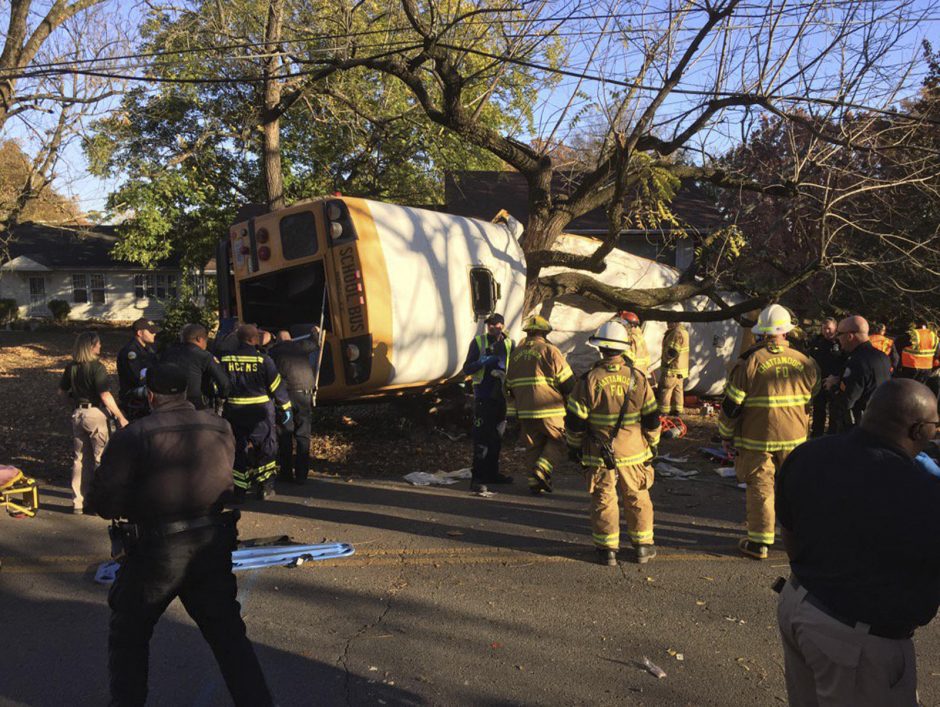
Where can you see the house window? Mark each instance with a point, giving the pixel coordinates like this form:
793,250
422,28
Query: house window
82,293
159,285
79,289
37,289
97,288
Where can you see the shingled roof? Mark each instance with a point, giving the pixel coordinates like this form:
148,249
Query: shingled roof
79,248
482,194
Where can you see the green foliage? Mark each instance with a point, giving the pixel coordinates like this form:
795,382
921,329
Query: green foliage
9,311
185,309
190,154
60,310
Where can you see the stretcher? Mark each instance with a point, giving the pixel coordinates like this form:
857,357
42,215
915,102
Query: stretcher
258,557
19,494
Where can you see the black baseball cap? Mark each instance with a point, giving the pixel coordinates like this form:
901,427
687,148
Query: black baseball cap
145,324
166,379
495,318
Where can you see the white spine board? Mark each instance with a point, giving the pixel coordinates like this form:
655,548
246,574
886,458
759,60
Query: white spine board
429,256
574,319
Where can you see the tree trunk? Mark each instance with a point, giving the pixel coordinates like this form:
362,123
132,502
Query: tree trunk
271,122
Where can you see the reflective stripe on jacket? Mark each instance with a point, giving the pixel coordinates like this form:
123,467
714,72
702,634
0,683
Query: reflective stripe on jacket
920,353
536,379
594,406
480,340
254,379
675,354
767,398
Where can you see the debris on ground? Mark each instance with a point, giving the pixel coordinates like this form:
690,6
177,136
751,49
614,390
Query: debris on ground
673,472
725,472
438,478
653,669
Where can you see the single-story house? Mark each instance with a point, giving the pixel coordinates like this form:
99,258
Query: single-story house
75,264
481,194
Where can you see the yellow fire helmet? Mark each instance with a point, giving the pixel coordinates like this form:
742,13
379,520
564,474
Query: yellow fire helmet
537,323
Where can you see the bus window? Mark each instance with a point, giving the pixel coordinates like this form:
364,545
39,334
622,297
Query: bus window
483,292
298,235
285,298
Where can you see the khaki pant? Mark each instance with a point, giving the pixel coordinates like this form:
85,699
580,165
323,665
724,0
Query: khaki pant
545,443
758,470
671,394
634,482
89,437
829,664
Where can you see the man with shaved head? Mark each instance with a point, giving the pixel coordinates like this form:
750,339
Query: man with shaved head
865,369
862,531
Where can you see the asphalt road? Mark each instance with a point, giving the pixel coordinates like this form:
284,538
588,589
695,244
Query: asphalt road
450,599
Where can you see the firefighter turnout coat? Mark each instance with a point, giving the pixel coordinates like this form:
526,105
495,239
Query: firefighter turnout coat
593,410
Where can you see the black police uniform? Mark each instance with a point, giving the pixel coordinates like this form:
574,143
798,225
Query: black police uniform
828,356
131,360
168,474
255,386
489,406
296,362
865,369
206,380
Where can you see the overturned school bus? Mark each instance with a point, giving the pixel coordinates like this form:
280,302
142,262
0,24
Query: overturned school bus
402,291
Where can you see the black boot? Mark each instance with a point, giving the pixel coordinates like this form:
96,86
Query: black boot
606,556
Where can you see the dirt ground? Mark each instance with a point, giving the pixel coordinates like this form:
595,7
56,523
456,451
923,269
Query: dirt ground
373,440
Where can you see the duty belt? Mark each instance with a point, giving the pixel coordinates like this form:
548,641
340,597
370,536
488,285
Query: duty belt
181,526
891,632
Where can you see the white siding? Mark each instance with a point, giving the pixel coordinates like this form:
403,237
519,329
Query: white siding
120,303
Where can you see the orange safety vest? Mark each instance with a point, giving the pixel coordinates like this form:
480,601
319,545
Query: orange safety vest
882,343
920,353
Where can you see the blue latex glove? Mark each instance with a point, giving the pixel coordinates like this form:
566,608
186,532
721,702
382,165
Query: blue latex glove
489,360
926,462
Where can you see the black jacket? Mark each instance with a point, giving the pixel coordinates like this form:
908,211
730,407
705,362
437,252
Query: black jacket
827,354
296,361
176,463
205,377
865,369
131,360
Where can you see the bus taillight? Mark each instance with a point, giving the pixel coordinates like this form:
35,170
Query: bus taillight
341,228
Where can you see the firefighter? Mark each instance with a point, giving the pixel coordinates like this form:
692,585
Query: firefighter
885,344
764,416
918,351
638,352
486,364
257,401
613,426
133,360
674,365
538,379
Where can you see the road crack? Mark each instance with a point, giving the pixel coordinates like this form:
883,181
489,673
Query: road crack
396,586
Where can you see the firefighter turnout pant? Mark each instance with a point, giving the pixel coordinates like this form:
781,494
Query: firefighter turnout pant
545,446
489,423
634,482
196,566
255,445
758,470
671,394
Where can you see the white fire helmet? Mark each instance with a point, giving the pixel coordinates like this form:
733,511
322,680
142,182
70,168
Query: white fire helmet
774,319
611,335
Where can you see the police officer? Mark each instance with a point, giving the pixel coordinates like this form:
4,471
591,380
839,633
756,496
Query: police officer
865,369
825,350
613,426
250,408
137,355
205,378
486,363
168,475
296,361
